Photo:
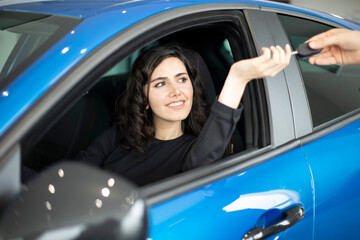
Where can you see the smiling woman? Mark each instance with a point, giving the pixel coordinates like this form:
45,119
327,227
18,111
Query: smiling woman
163,127
170,98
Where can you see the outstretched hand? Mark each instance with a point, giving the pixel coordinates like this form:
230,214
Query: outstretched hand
271,62
340,46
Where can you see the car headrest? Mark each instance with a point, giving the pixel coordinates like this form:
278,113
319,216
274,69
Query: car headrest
204,73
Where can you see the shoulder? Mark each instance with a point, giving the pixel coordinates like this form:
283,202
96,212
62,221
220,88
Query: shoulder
109,137
111,132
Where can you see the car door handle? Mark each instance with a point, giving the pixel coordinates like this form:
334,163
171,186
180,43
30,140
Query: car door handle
292,216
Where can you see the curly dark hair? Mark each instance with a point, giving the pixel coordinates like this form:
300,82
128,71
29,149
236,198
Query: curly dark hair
134,120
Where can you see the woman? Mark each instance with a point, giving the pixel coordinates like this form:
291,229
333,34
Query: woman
163,128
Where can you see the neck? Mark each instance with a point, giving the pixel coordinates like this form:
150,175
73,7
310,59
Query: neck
165,131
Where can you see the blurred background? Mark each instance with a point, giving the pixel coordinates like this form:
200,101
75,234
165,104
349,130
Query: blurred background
349,9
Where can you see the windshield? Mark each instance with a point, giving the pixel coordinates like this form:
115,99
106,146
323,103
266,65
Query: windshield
26,36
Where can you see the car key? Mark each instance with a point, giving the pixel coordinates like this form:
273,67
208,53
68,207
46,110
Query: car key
304,51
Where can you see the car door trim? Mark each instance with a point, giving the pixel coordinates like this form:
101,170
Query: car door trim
301,15
279,102
297,93
331,126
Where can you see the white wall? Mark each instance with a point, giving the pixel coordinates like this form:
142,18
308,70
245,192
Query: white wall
345,8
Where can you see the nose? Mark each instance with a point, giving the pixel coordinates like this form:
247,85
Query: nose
175,91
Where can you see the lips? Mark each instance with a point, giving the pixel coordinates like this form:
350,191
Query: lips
176,104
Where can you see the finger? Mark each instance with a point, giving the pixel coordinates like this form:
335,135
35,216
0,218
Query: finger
262,59
318,36
285,56
319,43
287,53
268,66
329,33
281,54
275,54
323,59
266,52
311,60
329,38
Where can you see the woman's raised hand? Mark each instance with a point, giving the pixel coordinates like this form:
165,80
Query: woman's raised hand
271,62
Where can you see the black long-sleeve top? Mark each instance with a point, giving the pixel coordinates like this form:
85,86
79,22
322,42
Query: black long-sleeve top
165,158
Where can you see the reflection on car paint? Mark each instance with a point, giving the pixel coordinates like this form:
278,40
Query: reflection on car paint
263,200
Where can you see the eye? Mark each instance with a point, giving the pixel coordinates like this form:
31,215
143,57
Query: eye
160,84
183,80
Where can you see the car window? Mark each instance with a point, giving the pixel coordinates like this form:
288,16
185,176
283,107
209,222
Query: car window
73,130
25,36
332,90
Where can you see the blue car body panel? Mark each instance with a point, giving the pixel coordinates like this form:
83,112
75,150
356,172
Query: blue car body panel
325,172
93,31
335,163
230,207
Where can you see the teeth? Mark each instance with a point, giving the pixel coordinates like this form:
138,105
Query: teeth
175,104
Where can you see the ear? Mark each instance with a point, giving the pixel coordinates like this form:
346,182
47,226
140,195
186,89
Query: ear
147,107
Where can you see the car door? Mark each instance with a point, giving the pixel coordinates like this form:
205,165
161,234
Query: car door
257,191
332,149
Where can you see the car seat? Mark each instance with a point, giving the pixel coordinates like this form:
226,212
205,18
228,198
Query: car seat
235,144
71,133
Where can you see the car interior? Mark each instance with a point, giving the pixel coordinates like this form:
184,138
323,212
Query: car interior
212,48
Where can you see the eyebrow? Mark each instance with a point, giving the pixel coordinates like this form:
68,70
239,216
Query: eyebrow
163,78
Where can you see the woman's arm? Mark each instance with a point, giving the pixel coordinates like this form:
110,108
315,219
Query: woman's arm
219,127
211,143
273,60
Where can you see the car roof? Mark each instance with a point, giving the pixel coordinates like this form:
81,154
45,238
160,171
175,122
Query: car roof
128,12
88,8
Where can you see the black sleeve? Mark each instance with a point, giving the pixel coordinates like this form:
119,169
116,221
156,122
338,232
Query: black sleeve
97,152
214,137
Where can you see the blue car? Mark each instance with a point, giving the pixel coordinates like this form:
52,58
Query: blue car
290,171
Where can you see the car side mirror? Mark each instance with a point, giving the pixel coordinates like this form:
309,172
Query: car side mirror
76,201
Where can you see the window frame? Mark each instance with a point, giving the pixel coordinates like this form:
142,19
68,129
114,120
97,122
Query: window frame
64,23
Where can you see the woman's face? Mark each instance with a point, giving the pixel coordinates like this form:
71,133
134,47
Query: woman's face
170,92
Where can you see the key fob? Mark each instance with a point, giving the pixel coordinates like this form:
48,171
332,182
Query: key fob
304,51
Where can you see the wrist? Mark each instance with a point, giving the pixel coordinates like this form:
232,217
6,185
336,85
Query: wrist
232,92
